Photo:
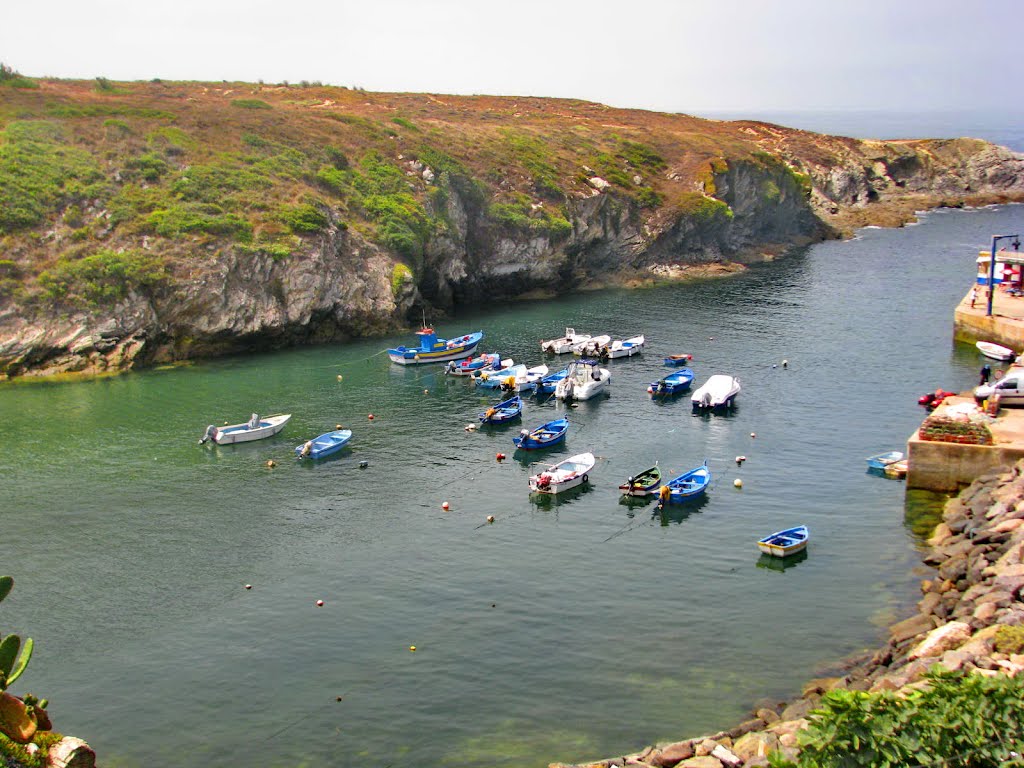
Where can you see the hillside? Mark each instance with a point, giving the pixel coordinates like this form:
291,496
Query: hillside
149,222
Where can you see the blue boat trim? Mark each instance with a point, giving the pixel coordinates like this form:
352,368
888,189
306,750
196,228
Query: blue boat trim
503,412
433,349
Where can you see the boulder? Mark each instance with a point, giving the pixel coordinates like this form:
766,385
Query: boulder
70,752
908,628
944,638
929,603
985,612
726,757
673,754
768,715
823,685
800,708
755,745
940,535
981,642
702,761
705,747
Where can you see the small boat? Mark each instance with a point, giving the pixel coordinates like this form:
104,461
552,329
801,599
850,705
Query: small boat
528,381
785,543
504,411
687,486
932,400
678,360
433,349
469,366
591,347
324,445
584,380
995,351
717,393
673,384
257,428
500,377
564,475
551,433
644,484
882,460
546,386
897,470
564,344
626,347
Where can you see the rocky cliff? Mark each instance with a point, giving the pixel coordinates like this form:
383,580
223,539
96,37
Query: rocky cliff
160,222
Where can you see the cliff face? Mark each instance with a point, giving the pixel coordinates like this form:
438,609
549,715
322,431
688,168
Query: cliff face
761,189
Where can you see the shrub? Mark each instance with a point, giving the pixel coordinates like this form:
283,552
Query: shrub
958,721
303,218
104,277
149,166
250,104
1009,639
400,275
184,219
405,123
648,198
702,208
103,85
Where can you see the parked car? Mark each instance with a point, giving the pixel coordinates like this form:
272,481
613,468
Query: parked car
1010,389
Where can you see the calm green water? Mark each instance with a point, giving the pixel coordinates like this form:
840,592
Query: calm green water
570,629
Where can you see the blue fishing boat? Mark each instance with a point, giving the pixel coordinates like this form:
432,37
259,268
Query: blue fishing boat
547,385
551,433
502,412
469,366
883,460
326,444
687,486
433,349
785,543
494,379
673,384
674,361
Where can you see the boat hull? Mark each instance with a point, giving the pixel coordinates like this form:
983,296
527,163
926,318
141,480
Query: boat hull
551,433
994,351
785,543
688,485
241,433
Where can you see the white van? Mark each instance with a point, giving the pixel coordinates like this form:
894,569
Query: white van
1010,389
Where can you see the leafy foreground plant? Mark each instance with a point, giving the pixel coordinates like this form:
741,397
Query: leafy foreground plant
20,718
957,720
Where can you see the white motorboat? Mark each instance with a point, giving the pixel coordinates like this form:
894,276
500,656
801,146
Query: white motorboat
626,347
565,344
256,428
564,475
529,381
995,351
591,347
717,393
584,380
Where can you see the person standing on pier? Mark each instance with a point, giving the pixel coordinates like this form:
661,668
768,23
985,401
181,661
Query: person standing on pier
986,374
974,295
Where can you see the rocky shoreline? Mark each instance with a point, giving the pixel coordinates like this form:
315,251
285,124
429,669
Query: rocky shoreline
977,552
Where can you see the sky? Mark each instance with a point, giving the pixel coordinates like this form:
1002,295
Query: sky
693,56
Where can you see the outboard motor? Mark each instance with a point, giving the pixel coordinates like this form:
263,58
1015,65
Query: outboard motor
210,434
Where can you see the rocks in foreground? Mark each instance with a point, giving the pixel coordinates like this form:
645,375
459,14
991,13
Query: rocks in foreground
978,555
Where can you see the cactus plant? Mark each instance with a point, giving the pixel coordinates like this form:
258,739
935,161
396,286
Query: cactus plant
19,718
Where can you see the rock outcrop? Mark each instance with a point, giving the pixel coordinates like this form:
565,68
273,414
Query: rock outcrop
977,552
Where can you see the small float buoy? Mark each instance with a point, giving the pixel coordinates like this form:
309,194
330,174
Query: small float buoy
225,423
426,391
738,483
369,416
494,605
490,518
319,603
711,338
248,586
412,648
337,698
271,463
740,460
785,363
445,506
339,377
499,456
364,464
774,366
337,426
753,434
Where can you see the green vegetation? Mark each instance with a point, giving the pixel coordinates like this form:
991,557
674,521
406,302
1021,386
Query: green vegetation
250,104
1009,640
701,208
400,276
521,213
534,155
624,161
409,124
959,720
104,277
303,218
11,79
19,718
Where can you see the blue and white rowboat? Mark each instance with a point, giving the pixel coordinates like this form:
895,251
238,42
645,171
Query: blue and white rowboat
502,412
326,444
551,433
785,543
687,486
673,384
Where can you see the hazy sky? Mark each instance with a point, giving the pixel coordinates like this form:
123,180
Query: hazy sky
677,56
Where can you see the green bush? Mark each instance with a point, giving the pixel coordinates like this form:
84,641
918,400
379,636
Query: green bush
12,79
104,277
405,123
1009,639
701,208
184,219
250,104
149,166
303,218
959,720
648,198
400,275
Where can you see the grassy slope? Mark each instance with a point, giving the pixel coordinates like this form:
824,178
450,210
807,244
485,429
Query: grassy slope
105,186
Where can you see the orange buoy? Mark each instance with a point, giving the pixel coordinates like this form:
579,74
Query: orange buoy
490,518
248,586
499,456
271,463
370,416
319,603
445,506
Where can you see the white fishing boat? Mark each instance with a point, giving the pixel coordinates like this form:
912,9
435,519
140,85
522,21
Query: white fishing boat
995,351
564,475
565,344
717,393
495,379
592,347
626,347
529,381
584,380
257,428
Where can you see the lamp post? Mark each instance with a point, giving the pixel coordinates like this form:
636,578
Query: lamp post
992,266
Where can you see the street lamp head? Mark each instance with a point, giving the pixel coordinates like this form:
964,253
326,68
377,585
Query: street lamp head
1016,245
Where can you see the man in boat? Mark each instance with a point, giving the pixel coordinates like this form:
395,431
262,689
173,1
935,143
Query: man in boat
986,374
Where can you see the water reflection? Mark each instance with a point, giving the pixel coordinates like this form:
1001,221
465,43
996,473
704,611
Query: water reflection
553,500
679,511
780,564
922,511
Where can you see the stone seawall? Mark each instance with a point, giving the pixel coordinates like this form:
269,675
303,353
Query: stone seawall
977,552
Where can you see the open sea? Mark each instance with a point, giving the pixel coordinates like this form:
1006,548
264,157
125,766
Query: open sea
570,628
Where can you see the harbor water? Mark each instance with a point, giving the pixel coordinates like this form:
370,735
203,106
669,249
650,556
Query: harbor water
569,628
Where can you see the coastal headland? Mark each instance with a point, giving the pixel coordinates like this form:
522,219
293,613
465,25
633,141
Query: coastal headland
146,223
963,620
